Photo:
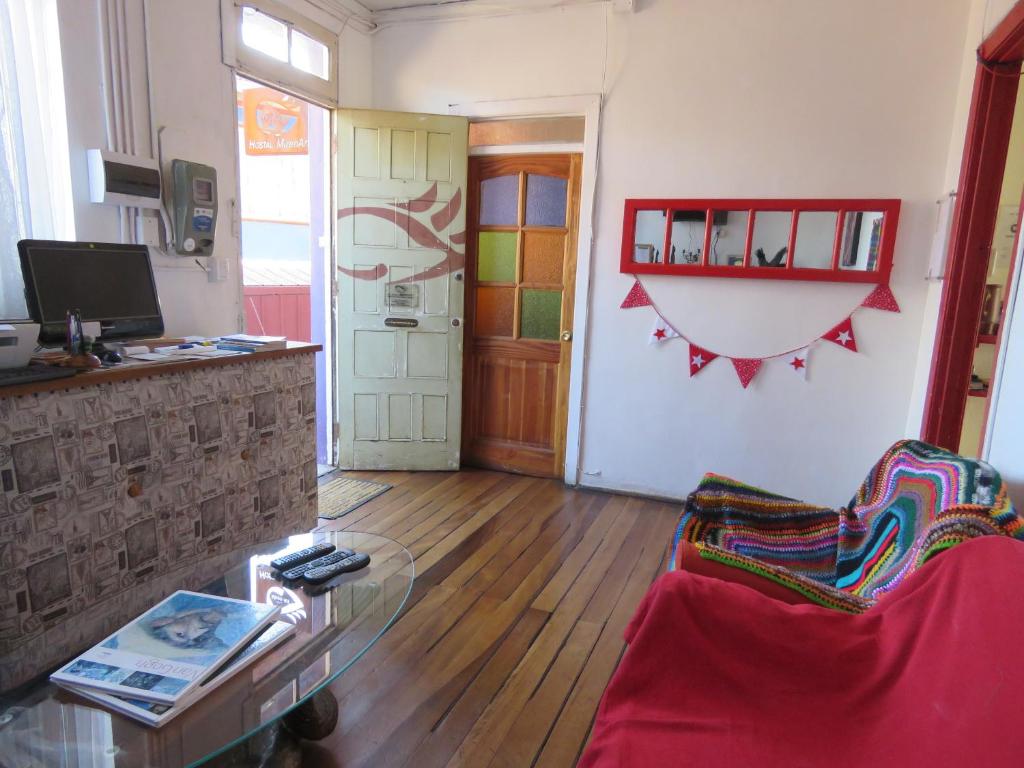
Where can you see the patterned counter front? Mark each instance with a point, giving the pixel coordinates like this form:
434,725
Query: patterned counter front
113,495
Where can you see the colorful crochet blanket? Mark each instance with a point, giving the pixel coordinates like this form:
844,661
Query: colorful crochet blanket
916,502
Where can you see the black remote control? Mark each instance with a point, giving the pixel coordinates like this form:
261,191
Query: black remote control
285,562
327,572
320,562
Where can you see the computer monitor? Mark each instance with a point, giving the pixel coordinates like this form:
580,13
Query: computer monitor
109,283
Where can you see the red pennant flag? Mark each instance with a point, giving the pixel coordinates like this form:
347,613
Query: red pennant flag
637,297
699,359
746,368
881,298
842,335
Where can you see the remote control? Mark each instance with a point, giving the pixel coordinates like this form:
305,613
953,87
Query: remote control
285,562
320,562
327,572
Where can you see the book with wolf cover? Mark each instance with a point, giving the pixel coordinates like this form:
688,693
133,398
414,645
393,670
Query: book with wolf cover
168,651
151,713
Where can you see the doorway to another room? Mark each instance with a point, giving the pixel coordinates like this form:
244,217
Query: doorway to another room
284,165
997,291
523,217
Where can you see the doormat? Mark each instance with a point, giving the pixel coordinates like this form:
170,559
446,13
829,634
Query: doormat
341,496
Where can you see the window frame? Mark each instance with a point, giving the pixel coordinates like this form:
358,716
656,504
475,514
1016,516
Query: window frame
256,65
890,209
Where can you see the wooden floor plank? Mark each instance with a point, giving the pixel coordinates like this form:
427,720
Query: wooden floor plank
530,730
523,589
483,741
438,746
572,728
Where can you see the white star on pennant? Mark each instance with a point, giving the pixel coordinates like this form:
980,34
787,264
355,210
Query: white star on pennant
843,337
699,357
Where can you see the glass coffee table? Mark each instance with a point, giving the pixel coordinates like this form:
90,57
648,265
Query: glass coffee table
255,717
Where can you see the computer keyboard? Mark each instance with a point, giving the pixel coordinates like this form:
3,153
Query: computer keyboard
10,377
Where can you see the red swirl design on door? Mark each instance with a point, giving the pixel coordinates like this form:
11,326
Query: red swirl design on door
423,235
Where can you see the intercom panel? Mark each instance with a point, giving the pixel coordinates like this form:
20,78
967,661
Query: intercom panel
195,207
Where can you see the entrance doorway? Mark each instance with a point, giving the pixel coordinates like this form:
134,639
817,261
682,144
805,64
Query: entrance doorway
284,174
401,234
997,295
523,214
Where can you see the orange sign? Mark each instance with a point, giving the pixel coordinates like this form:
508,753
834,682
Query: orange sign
275,123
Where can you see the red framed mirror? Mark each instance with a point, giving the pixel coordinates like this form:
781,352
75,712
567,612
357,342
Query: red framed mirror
843,241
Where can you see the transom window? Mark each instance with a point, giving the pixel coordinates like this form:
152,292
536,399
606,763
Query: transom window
285,43
273,43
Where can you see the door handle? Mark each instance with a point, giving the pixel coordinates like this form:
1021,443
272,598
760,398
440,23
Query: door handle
566,335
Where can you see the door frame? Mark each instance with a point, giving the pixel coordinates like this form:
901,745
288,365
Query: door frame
587,106
986,146
328,275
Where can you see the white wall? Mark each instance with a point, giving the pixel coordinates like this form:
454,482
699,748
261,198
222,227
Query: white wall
993,12
194,98
724,98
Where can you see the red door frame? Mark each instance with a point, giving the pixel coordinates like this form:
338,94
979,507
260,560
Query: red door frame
987,142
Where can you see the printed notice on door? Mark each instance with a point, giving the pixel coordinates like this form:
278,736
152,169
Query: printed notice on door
404,295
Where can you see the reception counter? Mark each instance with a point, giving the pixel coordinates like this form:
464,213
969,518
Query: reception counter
120,485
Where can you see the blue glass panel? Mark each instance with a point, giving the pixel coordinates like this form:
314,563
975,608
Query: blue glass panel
545,201
499,201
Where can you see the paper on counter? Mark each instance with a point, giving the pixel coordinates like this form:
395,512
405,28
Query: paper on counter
197,353
152,357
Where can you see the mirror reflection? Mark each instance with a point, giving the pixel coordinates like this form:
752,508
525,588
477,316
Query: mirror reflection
770,246
862,236
728,238
649,237
687,243
815,239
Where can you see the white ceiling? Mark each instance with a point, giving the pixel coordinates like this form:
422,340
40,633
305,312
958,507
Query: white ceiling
387,5
372,14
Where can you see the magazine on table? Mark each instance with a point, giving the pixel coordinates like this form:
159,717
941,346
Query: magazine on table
152,713
168,651
256,343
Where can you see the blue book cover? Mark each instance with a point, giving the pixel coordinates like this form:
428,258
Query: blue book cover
169,650
151,713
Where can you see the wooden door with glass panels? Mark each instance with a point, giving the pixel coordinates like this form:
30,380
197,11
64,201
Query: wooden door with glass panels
521,275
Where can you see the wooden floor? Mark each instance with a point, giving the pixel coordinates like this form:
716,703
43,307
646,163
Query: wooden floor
514,626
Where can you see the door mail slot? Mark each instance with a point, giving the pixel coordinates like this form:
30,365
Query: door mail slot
401,322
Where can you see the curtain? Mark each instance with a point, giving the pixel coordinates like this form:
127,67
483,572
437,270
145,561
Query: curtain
35,175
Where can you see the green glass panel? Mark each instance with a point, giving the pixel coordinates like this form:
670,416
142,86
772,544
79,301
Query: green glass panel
541,314
496,257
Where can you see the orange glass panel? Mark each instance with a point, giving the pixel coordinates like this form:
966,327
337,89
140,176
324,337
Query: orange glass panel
495,311
543,254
